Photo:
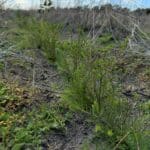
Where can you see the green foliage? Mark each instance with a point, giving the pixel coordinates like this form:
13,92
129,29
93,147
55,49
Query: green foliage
147,72
91,88
38,122
70,55
5,95
105,39
24,129
35,34
1,65
27,130
85,146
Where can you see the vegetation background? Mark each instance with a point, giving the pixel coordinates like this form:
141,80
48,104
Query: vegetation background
75,78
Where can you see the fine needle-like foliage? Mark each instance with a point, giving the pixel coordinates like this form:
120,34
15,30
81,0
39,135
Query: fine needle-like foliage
91,88
35,34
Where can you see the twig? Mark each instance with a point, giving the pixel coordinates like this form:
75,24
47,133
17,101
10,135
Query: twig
121,140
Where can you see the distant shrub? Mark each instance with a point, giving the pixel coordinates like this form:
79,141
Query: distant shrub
35,34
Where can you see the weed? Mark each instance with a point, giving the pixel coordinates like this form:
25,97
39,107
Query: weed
25,129
5,95
38,122
90,72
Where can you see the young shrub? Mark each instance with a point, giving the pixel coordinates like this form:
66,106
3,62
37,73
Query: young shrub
92,89
70,54
40,34
89,72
